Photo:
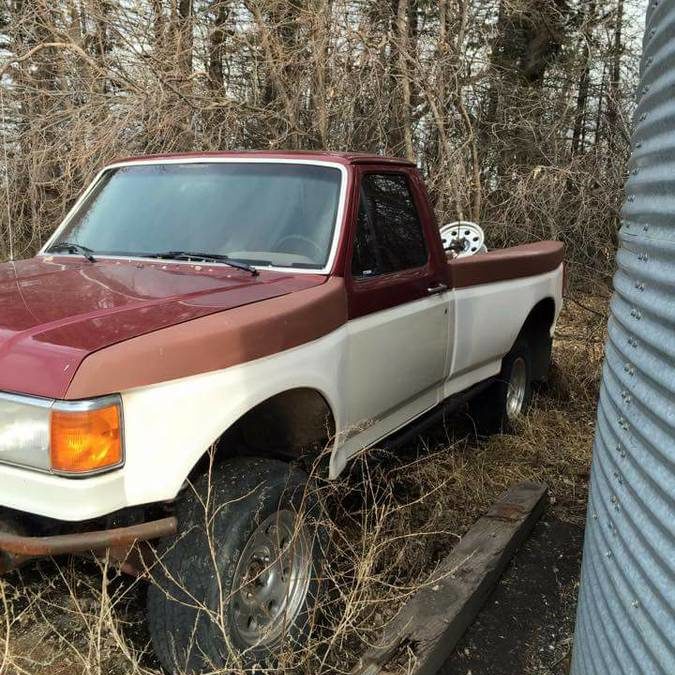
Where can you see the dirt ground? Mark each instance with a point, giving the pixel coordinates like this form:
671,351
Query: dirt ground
527,624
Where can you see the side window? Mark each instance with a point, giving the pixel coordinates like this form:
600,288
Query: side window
389,235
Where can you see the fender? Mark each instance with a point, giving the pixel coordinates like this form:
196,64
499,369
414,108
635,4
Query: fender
169,426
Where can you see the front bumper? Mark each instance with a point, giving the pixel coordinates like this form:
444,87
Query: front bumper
70,499
42,514
120,543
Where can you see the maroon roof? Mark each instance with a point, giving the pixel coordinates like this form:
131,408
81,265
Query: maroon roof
339,157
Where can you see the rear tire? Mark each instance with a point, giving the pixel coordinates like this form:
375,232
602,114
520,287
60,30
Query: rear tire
499,408
240,581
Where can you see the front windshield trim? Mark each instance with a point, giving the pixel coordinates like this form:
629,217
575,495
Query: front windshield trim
337,229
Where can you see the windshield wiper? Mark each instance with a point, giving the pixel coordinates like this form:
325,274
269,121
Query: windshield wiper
204,257
72,247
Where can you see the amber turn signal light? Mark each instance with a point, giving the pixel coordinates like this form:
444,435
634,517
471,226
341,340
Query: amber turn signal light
84,441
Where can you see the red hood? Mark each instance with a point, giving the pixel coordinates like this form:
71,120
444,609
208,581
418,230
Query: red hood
54,312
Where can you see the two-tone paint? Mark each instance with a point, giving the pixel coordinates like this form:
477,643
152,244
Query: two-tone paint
193,348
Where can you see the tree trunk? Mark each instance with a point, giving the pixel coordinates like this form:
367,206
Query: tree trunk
615,69
404,103
216,44
321,39
184,39
578,134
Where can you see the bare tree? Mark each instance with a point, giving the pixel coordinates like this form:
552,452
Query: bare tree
515,109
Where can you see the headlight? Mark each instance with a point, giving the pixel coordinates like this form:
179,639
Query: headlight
24,431
66,437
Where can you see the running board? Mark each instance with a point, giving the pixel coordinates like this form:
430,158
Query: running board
446,407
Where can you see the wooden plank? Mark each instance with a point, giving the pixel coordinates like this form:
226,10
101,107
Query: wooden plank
435,618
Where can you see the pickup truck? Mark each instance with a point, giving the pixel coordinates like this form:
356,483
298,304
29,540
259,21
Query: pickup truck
196,326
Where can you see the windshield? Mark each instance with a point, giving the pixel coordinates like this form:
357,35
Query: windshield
275,214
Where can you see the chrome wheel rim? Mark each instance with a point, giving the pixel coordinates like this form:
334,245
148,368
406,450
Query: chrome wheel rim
271,580
515,393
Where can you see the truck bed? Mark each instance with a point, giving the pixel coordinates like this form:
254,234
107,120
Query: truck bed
508,263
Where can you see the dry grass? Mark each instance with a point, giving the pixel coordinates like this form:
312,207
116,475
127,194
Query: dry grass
391,518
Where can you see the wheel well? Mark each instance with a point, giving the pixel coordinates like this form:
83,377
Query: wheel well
292,424
537,329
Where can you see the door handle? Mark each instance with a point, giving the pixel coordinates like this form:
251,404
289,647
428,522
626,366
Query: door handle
435,290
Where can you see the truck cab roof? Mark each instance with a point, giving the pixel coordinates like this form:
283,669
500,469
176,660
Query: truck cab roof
345,158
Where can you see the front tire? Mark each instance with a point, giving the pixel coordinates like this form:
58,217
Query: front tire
241,579
503,404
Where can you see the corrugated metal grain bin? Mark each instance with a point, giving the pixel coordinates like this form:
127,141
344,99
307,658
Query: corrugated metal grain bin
626,611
